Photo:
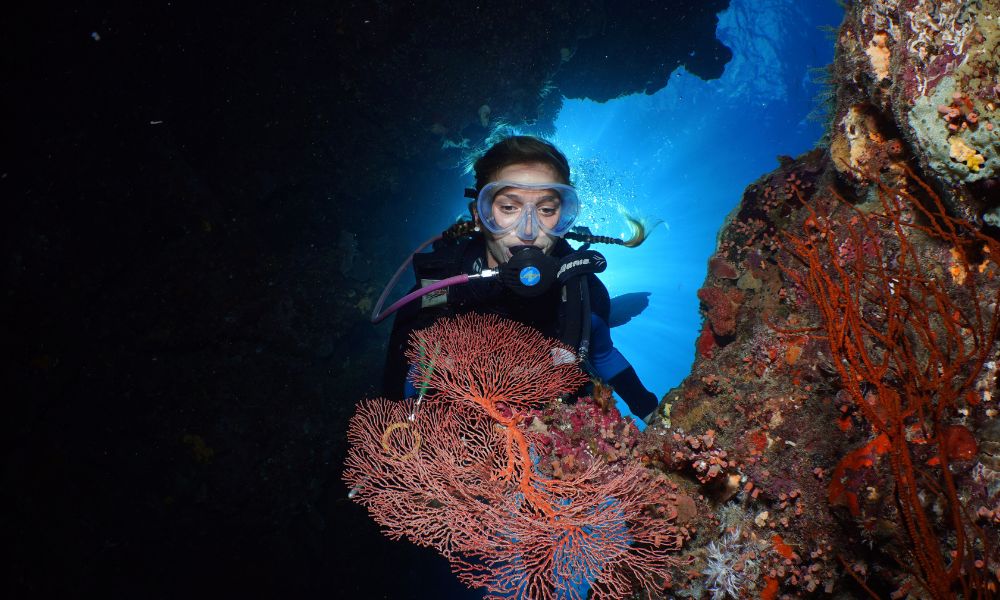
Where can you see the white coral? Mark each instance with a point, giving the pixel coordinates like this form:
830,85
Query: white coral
722,576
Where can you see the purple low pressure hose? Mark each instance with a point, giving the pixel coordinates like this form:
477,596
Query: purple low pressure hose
455,279
378,315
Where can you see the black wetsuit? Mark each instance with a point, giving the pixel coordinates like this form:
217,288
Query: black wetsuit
490,296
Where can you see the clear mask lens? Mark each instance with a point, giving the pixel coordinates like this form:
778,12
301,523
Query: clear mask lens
524,217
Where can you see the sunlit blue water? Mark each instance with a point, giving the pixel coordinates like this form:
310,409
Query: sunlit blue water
685,155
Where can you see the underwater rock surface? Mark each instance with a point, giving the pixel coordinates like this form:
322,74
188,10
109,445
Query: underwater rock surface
848,362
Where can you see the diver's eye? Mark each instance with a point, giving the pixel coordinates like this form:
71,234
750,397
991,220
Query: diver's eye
548,211
507,209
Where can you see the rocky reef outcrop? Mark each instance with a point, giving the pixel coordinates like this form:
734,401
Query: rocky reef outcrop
847,369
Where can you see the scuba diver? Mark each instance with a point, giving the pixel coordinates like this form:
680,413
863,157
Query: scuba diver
512,260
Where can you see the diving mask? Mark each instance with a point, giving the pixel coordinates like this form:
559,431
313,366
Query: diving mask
503,209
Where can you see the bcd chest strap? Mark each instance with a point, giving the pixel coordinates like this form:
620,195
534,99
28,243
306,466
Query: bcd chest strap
574,309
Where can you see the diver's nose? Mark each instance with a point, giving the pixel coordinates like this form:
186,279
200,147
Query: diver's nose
528,229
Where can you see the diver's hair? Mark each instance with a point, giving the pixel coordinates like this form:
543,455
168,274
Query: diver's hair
640,232
464,227
459,229
467,228
519,149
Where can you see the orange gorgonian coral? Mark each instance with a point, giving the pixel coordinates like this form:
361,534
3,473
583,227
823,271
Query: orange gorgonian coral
908,340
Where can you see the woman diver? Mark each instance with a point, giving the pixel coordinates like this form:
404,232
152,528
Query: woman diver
515,262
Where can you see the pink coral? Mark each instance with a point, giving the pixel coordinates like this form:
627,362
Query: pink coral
706,342
960,114
722,268
721,307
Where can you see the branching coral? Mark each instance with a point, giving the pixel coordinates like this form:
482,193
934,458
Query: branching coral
462,475
909,347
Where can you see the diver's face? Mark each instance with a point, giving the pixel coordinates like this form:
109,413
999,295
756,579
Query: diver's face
508,204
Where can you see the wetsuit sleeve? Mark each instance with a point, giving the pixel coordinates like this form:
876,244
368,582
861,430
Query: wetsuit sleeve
600,299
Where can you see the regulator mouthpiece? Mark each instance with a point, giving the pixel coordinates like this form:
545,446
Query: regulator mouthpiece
529,272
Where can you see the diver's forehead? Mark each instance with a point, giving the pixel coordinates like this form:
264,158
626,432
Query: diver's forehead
525,195
528,173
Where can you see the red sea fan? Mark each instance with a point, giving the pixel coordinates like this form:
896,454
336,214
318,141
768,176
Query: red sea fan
461,475
499,365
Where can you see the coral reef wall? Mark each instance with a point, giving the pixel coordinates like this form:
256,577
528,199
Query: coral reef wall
923,73
848,362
